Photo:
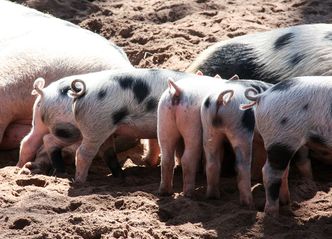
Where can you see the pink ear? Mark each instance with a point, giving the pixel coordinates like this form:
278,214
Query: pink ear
234,77
199,73
38,86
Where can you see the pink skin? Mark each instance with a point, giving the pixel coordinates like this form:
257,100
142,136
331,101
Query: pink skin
34,140
27,52
14,133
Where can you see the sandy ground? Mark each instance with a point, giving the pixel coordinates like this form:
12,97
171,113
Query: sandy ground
167,34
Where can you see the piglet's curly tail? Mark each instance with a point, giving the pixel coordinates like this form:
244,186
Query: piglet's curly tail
254,98
77,89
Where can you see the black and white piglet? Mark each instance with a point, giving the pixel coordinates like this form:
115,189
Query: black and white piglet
271,56
291,114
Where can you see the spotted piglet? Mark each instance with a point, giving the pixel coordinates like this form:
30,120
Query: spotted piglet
223,120
122,103
270,56
291,114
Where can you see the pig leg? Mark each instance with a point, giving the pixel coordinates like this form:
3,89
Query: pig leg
54,146
108,154
284,197
192,137
242,146
41,164
278,158
303,162
213,158
84,156
31,143
259,157
168,137
152,156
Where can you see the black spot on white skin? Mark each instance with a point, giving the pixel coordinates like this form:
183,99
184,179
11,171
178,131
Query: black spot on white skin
151,105
283,41
316,139
66,131
141,90
216,121
176,100
248,120
328,36
306,106
43,118
284,85
126,82
120,115
57,160
207,102
274,190
283,121
64,90
236,58
296,59
101,94
279,155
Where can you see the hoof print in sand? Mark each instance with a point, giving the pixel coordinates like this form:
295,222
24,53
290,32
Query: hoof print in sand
20,223
31,182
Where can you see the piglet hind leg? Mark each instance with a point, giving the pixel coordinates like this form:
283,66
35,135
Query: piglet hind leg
243,151
213,155
275,171
190,159
30,145
54,146
152,156
168,137
303,162
167,169
108,154
84,156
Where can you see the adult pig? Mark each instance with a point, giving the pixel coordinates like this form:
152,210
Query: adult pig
32,45
271,56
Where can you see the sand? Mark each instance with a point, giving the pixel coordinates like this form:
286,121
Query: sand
165,34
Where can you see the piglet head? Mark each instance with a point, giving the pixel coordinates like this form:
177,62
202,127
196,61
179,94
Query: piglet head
38,86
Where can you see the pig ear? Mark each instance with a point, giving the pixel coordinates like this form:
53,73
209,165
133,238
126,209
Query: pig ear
199,73
38,85
171,84
217,76
225,97
234,77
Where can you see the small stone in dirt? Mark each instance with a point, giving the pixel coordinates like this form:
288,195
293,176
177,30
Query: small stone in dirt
119,203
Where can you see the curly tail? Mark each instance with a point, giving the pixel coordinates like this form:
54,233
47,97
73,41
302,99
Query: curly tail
77,88
254,98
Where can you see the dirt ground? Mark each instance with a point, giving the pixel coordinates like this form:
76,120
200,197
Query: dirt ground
165,34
